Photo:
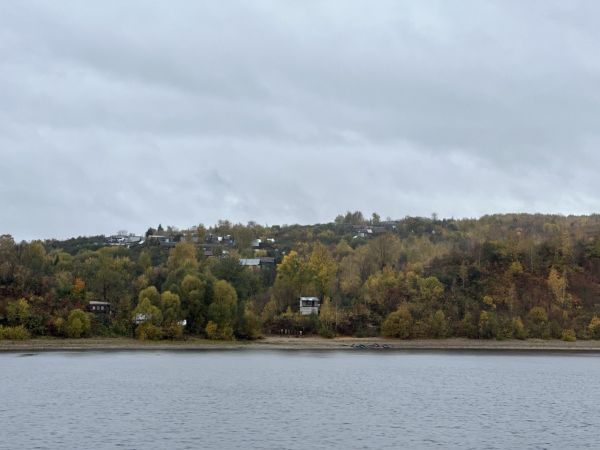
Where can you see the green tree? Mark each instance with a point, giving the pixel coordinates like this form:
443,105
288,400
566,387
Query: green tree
398,324
594,327
250,326
78,324
323,269
431,290
538,322
222,311
385,250
518,329
558,286
145,260
384,291
18,312
193,302
569,335
170,308
151,294
488,325
145,311
293,280
327,318
438,325
182,255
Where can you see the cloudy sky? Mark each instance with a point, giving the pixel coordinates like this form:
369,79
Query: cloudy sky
125,114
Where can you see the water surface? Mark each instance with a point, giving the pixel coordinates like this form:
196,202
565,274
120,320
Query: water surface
298,400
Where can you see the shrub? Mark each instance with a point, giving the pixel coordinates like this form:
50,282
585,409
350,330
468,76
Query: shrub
468,326
173,331
518,329
488,325
594,327
538,323
78,324
17,312
569,335
398,324
326,332
58,326
148,331
214,332
438,327
250,326
18,333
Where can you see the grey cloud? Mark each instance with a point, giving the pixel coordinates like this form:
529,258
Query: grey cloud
126,114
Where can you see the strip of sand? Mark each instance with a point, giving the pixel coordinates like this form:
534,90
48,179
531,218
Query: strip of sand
294,343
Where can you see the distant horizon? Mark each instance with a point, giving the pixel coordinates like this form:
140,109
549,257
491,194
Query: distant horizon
267,225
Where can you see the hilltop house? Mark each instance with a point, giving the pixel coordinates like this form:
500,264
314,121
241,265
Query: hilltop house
258,263
99,307
253,263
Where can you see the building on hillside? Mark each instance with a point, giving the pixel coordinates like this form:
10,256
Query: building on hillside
124,239
99,307
309,305
258,263
267,261
252,263
163,241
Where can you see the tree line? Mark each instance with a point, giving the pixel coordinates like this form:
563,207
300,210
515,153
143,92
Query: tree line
500,276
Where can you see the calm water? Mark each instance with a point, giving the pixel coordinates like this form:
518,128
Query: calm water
277,400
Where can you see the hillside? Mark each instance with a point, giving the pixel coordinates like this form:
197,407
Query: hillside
500,276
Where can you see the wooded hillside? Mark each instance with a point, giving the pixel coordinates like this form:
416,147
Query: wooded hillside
500,276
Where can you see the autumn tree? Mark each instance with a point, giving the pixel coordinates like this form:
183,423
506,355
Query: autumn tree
594,327
384,291
558,286
151,294
78,324
170,308
250,326
183,254
322,268
222,311
538,322
18,312
385,250
327,318
488,325
398,324
293,280
146,311
438,325
193,302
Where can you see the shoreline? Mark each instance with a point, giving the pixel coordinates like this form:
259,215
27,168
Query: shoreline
300,344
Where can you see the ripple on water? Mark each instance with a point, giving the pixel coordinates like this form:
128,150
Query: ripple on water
239,400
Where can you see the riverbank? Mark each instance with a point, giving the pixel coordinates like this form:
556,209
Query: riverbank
293,343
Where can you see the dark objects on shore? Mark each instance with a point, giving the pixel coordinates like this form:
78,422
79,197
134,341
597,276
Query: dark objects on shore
374,346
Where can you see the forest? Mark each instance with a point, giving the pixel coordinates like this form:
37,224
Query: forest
509,276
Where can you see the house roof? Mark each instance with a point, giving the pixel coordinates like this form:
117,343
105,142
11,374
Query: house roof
250,261
95,303
267,260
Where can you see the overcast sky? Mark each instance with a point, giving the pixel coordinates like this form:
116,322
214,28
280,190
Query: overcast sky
125,114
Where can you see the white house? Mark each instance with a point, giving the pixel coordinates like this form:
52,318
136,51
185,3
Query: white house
309,305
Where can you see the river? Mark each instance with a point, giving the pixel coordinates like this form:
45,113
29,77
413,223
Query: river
298,400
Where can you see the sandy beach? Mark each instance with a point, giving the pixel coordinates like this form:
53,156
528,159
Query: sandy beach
294,343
